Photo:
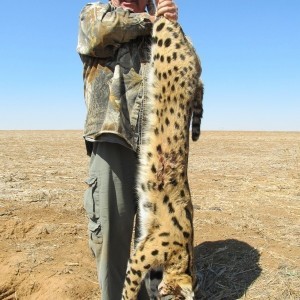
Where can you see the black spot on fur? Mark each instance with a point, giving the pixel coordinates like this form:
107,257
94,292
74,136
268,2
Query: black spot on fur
176,223
167,42
166,199
160,42
154,252
153,169
177,244
164,234
186,234
188,271
160,187
164,244
166,256
158,148
160,27
189,215
180,151
136,272
171,209
173,181
167,121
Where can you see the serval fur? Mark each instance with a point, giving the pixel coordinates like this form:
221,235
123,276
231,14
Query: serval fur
165,206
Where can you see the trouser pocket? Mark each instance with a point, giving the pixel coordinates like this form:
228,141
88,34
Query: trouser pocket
92,207
92,203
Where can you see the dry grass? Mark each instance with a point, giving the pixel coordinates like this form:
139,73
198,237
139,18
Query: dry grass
247,199
245,188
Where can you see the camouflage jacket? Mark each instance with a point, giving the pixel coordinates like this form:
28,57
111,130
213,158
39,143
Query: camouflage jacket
114,46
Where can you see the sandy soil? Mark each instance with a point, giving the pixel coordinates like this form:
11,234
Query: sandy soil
246,194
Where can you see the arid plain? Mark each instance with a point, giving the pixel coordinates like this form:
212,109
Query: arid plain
246,195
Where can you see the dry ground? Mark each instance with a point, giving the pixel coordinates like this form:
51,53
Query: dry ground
246,193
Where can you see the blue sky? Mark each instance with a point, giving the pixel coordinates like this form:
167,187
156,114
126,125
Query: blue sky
250,53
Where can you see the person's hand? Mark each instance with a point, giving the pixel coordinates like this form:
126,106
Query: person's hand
152,18
167,8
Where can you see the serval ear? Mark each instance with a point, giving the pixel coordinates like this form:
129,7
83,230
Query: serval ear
152,281
197,111
180,291
187,292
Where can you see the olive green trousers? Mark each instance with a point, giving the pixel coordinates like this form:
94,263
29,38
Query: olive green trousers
110,202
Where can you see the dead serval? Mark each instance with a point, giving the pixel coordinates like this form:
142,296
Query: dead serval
165,207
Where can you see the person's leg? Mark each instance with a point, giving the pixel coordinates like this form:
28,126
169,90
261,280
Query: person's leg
111,205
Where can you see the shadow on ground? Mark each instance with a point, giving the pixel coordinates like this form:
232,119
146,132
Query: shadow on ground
225,269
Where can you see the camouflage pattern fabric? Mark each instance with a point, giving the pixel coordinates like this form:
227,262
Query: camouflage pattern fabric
114,46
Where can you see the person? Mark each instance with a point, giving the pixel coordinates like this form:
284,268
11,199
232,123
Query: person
114,42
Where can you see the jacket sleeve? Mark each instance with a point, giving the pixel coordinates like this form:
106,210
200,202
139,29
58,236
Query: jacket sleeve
102,30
